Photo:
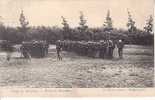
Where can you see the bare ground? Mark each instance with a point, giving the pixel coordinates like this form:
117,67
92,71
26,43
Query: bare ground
135,70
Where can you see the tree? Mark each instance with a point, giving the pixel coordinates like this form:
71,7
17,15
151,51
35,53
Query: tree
149,25
82,24
83,28
108,25
131,23
66,29
2,29
24,25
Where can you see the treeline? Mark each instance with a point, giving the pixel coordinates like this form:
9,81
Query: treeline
81,33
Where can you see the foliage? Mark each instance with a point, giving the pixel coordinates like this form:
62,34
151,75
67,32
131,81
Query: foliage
66,29
82,32
82,27
24,26
131,23
149,25
108,25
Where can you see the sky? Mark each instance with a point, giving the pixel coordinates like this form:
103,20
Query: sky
49,12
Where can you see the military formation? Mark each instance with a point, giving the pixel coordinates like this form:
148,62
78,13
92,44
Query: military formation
7,46
27,49
102,49
34,48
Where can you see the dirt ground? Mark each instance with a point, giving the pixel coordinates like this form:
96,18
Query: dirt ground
135,70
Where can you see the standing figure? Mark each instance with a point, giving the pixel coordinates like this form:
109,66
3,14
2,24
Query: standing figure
111,47
120,46
25,51
103,46
58,49
9,50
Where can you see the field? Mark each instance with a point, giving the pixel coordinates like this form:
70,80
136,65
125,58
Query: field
136,69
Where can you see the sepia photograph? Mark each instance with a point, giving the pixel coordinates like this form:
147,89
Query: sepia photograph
76,44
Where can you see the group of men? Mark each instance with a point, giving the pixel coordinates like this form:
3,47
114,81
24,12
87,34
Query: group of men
102,49
7,46
34,48
107,48
27,49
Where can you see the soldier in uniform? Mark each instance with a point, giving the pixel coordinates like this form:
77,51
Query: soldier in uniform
90,49
58,49
120,46
46,47
9,49
25,51
111,47
103,47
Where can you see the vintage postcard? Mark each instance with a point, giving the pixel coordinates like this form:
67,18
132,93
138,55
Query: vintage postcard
75,48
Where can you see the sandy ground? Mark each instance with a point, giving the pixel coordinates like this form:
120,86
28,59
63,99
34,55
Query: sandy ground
135,70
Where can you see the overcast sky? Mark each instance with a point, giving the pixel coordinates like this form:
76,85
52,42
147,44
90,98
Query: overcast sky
49,12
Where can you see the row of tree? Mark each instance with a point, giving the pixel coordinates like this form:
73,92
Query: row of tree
82,32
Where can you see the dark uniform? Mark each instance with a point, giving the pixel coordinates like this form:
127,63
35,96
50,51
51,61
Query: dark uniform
111,47
90,49
25,51
9,50
120,46
103,46
58,49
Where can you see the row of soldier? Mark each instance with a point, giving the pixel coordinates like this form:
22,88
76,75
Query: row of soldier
34,48
27,49
102,49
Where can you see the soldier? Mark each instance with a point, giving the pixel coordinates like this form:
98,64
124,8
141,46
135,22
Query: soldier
85,49
103,47
58,49
111,47
9,50
120,46
25,51
90,49
46,47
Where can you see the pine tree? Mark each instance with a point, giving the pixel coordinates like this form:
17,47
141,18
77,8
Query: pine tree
108,24
24,25
2,29
83,28
131,23
23,21
149,25
82,24
66,29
